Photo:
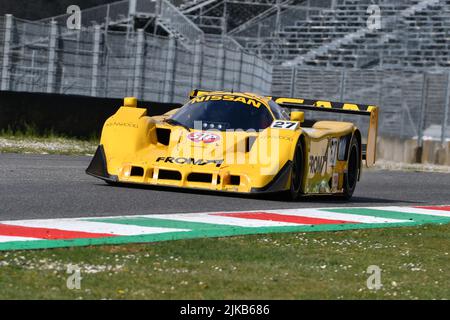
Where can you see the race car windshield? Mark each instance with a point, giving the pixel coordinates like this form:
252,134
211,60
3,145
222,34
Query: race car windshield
224,115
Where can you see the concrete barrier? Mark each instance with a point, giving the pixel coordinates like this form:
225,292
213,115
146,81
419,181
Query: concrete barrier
68,115
407,151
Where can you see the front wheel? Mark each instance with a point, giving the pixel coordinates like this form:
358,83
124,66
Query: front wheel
353,167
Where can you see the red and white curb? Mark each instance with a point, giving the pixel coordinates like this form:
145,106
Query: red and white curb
48,233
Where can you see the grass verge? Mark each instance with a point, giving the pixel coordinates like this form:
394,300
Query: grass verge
323,265
31,142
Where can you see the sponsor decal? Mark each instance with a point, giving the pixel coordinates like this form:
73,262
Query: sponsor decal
317,164
320,163
281,124
205,137
192,161
335,181
244,100
333,151
122,124
275,137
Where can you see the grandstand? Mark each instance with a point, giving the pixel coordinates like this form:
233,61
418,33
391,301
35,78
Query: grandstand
325,33
413,34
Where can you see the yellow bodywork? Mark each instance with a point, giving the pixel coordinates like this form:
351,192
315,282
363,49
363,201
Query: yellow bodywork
245,162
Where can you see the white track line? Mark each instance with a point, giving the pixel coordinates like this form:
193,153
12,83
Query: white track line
428,212
12,238
93,227
314,213
212,219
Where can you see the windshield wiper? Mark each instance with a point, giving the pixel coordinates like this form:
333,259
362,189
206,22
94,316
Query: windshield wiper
177,123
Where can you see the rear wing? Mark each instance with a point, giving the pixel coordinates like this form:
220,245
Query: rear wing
371,111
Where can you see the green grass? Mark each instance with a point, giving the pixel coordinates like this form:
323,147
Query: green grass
319,265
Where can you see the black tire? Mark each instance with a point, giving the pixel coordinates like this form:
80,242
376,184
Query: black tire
297,171
353,167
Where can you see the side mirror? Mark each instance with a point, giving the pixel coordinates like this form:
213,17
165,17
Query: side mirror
130,102
297,116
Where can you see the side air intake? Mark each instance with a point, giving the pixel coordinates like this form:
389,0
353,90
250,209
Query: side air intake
163,136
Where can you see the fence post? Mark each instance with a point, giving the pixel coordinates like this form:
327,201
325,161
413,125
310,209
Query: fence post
342,91
422,119
342,87
268,77
139,65
6,77
278,17
197,71
131,15
51,69
95,61
220,67
446,111
132,8
239,72
170,71
258,76
293,77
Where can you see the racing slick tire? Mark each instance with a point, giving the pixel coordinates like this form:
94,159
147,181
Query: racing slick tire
297,171
353,167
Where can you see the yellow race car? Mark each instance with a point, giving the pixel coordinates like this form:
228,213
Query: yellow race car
238,142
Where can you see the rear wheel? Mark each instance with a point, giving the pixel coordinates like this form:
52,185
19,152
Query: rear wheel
297,173
353,167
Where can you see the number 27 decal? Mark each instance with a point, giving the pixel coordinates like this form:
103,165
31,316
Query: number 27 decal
333,145
290,125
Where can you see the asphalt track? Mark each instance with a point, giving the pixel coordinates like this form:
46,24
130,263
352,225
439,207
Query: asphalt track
49,186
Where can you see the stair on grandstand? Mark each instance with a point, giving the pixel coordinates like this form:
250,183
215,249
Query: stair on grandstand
122,16
419,40
337,36
193,5
313,26
261,16
362,47
209,15
168,27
